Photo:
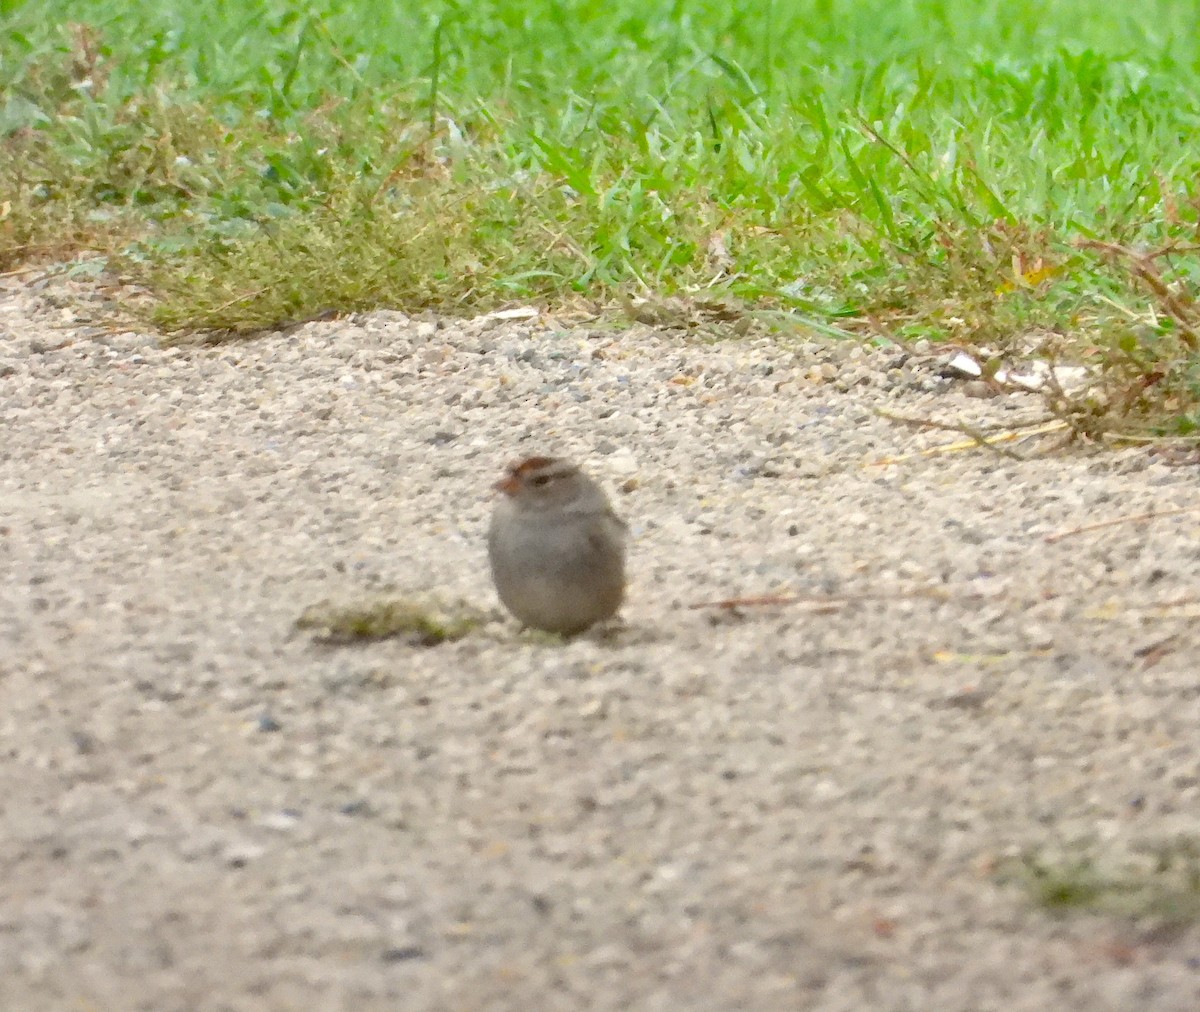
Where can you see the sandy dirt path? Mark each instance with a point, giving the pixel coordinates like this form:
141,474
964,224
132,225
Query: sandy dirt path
780,807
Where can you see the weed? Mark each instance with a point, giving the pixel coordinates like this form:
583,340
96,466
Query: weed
420,622
1161,881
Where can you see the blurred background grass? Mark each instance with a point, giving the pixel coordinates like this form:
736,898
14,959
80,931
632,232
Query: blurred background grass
914,169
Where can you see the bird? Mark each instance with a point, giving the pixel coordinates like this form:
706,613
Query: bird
555,547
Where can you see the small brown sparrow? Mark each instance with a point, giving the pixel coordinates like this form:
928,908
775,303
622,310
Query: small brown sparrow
556,548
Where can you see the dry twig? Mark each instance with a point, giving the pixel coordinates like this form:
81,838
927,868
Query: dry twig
1051,539
979,437
839,601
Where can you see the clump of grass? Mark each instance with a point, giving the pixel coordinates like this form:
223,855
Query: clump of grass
1162,882
1127,313
86,165
1149,364
456,247
421,623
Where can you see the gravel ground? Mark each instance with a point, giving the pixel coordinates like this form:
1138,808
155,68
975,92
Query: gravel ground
805,805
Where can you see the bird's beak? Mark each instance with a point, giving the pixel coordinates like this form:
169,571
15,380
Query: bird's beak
508,484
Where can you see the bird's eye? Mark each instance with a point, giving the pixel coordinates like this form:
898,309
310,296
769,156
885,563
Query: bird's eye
541,479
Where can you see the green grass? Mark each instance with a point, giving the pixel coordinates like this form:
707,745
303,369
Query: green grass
920,169
1161,881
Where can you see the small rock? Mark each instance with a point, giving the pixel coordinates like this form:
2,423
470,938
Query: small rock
623,461
402,954
979,388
